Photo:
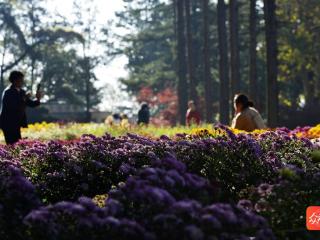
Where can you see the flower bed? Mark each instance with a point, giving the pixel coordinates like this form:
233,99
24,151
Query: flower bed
202,186
73,131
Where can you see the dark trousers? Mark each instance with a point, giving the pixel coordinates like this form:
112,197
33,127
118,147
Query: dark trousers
11,135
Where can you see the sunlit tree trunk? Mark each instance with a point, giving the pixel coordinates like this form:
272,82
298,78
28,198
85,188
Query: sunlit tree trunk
272,63
181,55
253,52
206,62
223,64
3,56
32,73
32,56
234,46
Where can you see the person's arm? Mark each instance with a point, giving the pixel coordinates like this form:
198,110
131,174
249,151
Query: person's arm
239,122
33,103
188,118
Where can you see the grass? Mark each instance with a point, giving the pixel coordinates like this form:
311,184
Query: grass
71,131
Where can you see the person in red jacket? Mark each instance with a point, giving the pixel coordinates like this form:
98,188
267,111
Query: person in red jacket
192,116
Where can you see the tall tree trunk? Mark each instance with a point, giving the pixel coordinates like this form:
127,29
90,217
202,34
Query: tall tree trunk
182,71
234,46
175,17
223,64
33,62
191,75
272,63
3,56
1,82
253,52
88,103
206,62
87,75
33,57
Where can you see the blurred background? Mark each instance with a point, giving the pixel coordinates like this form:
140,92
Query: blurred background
95,58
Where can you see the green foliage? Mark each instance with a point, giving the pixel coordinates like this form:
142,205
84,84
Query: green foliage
63,76
47,52
299,48
150,49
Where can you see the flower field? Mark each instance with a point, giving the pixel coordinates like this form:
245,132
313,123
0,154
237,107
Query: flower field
72,131
211,183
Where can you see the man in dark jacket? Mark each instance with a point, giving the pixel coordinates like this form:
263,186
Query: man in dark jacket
13,111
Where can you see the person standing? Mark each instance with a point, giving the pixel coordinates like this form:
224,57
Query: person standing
247,118
13,110
192,116
144,114
125,123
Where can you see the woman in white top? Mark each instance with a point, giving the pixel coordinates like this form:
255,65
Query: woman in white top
247,118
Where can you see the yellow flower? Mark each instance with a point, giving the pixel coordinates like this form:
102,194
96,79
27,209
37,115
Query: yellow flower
205,132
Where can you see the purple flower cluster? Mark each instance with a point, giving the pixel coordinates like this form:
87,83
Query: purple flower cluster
284,203
157,203
17,198
160,186
79,220
169,202
93,165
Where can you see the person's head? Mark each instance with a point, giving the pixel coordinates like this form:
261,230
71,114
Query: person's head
116,116
191,105
241,102
16,78
144,106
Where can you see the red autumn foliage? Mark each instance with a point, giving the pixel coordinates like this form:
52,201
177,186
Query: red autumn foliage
164,105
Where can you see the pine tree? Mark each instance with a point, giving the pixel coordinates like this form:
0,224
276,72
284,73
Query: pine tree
206,63
253,51
234,46
182,71
191,75
223,64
